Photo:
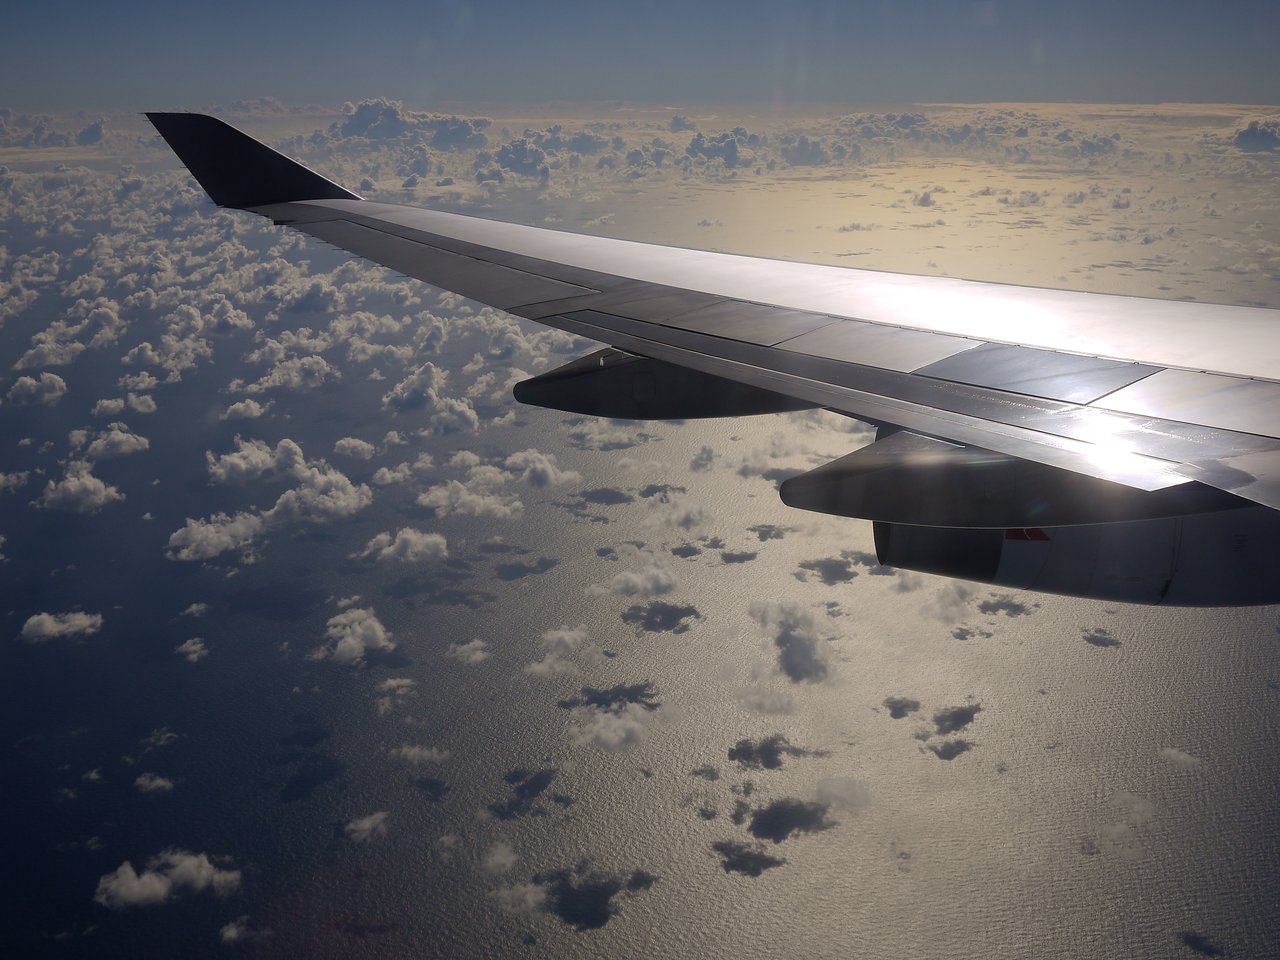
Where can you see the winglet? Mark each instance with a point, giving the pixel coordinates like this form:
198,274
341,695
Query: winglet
235,169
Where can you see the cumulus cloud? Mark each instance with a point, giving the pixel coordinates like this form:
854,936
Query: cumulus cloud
351,634
650,581
166,875
477,496
204,539
472,652
802,652
1179,758
368,828
194,650
614,729
116,441
153,783
538,469
355,447
79,491
248,409
499,858
558,646
48,626
419,755
322,495
406,546
48,390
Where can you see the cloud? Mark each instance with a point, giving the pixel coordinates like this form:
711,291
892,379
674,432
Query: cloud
477,497
247,409
420,390
844,793
323,494
355,447
558,646
153,783
538,469
419,755
48,626
204,539
651,581
116,441
368,828
194,650
79,491
472,652
802,653
1179,758
1259,135
46,391
614,729
166,875
238,931
351,634
499,858
406,546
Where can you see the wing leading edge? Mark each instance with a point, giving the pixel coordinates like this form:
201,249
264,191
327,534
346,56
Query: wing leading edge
1108,411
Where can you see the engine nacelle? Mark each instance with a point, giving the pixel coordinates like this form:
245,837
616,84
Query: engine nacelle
1225,558
611,383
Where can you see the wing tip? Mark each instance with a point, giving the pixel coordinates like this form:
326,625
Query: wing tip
235,169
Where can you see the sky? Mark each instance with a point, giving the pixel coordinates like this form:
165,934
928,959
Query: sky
150,55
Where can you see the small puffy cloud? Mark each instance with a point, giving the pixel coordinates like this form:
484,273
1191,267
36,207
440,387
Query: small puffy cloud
166,875
116,441
476,497
79,491
1179,758
499,858
194,650
251,459
239,931
844,793
614,729
153,783
420,390
522,899
203,539
351,634
472,652
297,374
406,546
355,447
558,646
538,469
12,481
248,409
49,389
196,609
48,626
802,652
368,828
419,755
651,581
109,407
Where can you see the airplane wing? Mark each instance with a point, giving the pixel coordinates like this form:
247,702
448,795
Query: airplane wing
1014,422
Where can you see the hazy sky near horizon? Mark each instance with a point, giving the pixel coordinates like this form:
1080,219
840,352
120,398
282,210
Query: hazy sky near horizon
79,55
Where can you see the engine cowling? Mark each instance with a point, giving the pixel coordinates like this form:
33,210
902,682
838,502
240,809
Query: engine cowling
611,383
1225,558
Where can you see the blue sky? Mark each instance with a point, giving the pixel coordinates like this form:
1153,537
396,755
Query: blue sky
94,56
